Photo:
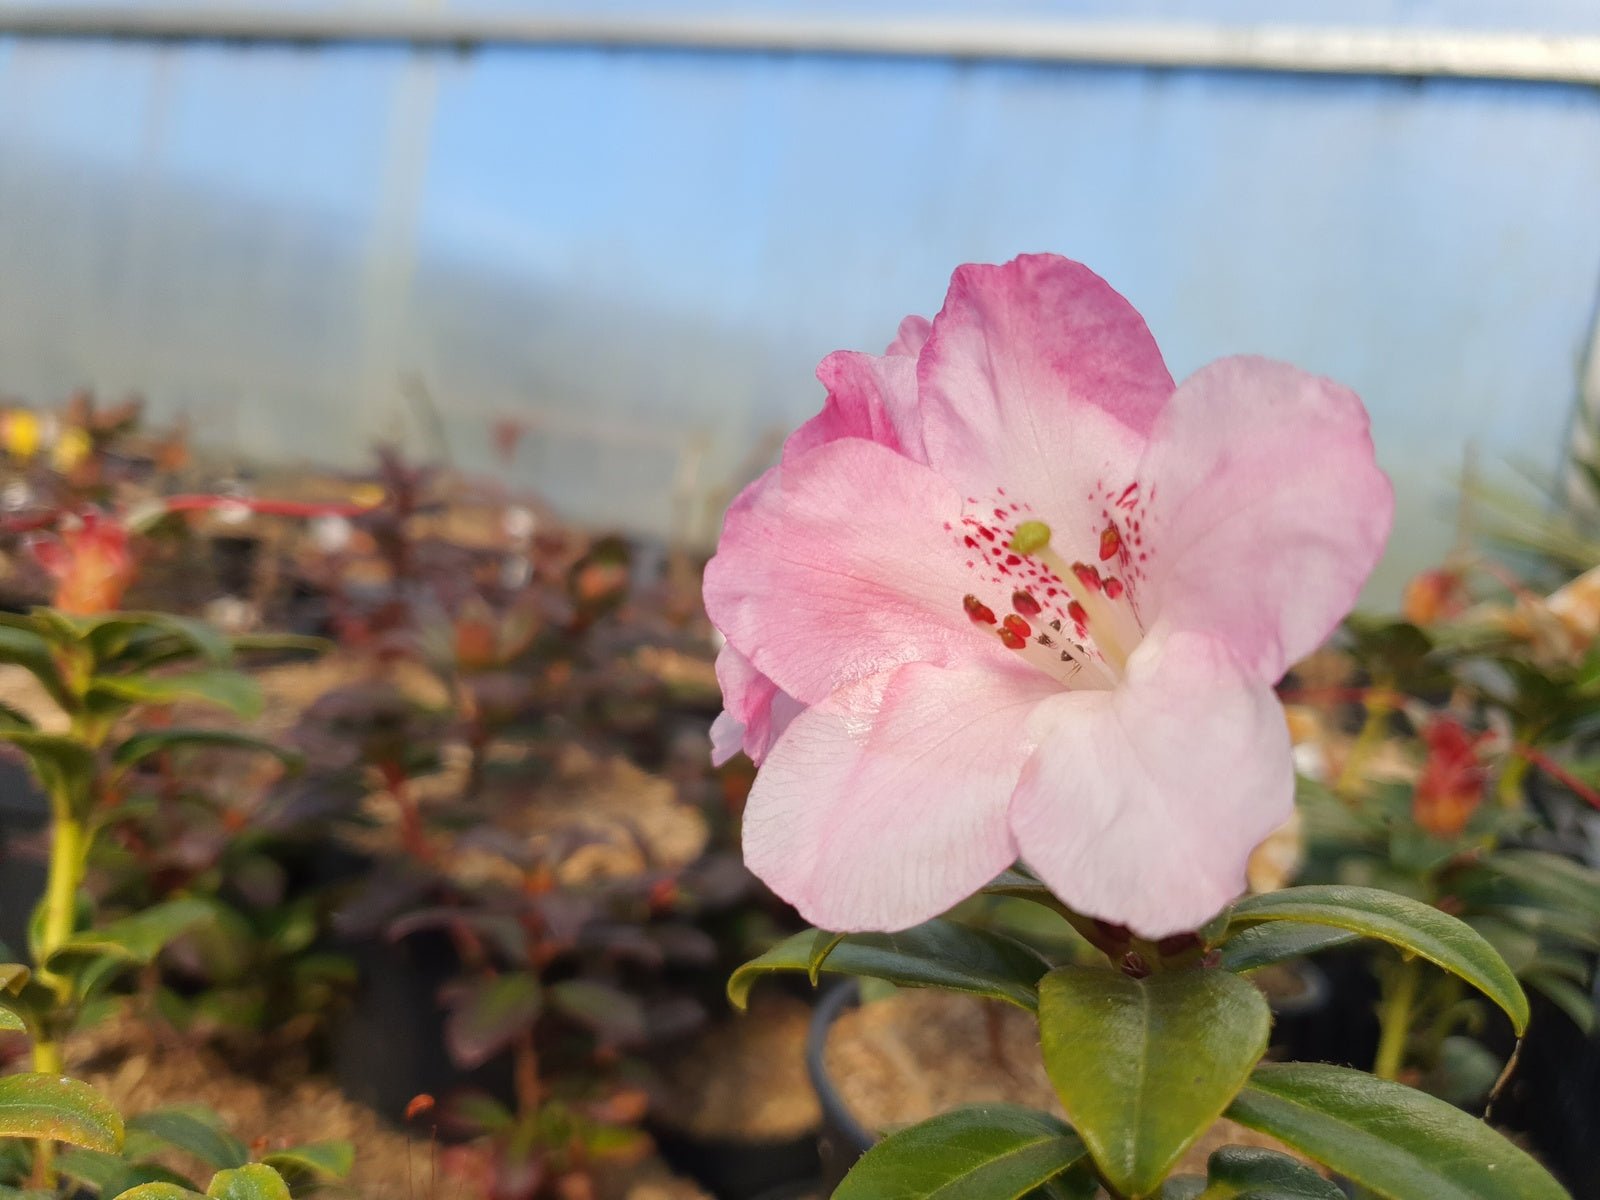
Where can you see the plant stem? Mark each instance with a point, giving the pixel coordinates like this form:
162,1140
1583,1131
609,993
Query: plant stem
1380,703
1394,1018
68,845
1509,789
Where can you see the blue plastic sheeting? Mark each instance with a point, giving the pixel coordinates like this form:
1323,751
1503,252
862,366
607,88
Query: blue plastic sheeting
646,253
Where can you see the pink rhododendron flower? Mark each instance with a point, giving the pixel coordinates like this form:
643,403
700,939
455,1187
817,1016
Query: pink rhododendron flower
1013,594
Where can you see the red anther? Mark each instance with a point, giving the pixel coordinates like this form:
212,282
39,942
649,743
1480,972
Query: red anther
1087,575
1018,626
1075,611
1011,639
1024,603
418,1105
1110,542
980,612
1114,588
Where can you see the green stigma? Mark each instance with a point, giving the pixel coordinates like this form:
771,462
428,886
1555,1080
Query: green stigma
1030,536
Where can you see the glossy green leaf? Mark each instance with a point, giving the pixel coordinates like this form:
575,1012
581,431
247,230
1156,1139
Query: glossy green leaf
11,1021
65,766
1393,1140
13,976
275,643
820,949
137,938
158,1191
1250,1173
254,1182
1409,924
197,1132
1145,1066
132,635
985,1152
486,1015
1254,946
155,741
939,954
232,690
323,1160
62,1110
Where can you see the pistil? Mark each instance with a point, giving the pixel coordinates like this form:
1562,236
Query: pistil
1093,604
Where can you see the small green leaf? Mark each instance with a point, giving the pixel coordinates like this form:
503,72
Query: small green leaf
11,1022
1249,1173
154,741
65,766
158,1191
322,1160
273,643
62,1110
985,1152
254,1182
13,976
1145,1066
232,690
34,654
137,938
195,1131
132,634
486,1015
1552,878
1254,946
1393,1140
1409,924
820,949
939,954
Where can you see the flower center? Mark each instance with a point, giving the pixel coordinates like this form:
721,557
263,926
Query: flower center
1076,621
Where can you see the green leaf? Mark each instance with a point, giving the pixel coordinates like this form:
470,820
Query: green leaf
12,717
1249,1173
1145,1066
137,938
486,1015
62,1110
1567,996
13,977
939,954
985,1152
11,1022
65,766
195,1131
158,1191
1409,924
271,643
132,634
1256,946
1393,1140
254,1182
1552,878
142,745
820,949
322,1160
232,690
34,654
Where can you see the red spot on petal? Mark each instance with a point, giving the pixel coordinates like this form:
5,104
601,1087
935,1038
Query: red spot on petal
1012,560
986,531
980,612
1110,542
971,541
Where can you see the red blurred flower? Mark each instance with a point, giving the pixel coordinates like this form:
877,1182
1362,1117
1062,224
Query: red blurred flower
89,558
1453,779
1434,596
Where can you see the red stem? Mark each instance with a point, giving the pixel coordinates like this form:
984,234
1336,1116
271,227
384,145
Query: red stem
1556,771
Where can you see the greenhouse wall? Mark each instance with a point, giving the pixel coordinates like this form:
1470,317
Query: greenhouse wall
640,253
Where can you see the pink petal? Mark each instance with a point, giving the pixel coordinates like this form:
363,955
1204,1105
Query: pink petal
1266,509
758,710
841,563
885,805
1141,805
868,397
1040,379
912,337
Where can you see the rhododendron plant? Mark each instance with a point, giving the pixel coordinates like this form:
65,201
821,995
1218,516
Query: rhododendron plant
1014,594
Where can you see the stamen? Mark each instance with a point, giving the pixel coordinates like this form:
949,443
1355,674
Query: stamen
1089,607
1025,604
1018,626
980,612
1012,639
1114,588
1110,542
1087,575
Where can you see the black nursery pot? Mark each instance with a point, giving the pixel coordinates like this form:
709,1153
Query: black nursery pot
740,1170
23,811
843,1139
